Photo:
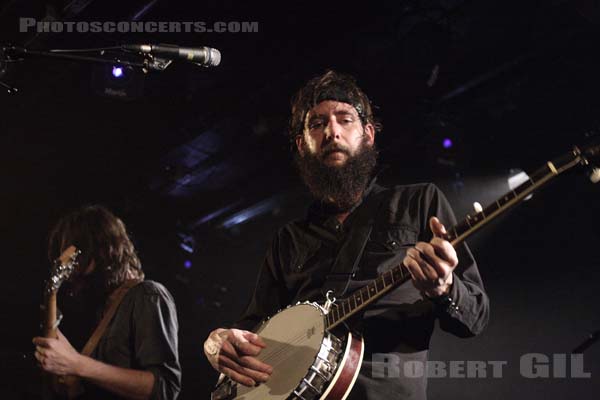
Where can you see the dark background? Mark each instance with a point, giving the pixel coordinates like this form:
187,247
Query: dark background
200,156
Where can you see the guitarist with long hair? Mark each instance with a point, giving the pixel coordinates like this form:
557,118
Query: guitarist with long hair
332,130
132,353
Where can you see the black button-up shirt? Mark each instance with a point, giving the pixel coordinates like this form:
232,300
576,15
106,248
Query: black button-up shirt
399,324
143,335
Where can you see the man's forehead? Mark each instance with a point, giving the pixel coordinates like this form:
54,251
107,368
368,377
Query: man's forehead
328,107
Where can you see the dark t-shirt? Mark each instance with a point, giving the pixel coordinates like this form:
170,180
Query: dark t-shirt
143,336
397,327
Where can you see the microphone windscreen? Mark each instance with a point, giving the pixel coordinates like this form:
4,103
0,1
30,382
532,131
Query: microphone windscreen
215,57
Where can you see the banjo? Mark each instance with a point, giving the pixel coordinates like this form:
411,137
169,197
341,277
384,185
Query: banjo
309,361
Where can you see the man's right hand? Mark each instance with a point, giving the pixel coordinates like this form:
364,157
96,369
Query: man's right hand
233,353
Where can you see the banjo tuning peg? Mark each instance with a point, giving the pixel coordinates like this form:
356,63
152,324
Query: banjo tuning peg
594,174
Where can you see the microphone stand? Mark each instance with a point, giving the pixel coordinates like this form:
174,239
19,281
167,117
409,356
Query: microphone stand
590,340
3,68
9,89
14,53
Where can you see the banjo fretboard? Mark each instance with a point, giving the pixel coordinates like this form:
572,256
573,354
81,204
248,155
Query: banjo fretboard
343,309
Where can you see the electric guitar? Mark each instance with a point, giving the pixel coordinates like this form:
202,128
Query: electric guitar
61,270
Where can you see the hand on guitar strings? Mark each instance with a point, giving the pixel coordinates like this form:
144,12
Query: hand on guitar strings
56,356
233,353
431,264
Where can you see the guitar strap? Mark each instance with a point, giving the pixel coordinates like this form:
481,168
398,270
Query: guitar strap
72,384
114,301
348,257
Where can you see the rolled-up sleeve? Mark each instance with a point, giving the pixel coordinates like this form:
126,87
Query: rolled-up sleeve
156,341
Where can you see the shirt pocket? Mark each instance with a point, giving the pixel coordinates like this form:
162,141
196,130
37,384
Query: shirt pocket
392,238
302,254
386,248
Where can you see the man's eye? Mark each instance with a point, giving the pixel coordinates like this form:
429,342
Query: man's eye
315,125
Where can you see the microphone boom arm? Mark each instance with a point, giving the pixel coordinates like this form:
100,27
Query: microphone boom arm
149,62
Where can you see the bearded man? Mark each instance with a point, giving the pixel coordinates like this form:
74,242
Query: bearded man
333,129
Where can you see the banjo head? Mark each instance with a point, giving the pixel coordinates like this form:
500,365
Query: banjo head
293,338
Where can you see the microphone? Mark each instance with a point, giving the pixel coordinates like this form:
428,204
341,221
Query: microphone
204,56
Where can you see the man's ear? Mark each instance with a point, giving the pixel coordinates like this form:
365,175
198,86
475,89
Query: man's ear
369,130
299,143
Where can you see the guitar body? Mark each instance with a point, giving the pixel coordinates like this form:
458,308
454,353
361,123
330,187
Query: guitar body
308,362
68,387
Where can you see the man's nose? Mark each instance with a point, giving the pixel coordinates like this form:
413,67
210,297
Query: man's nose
333,130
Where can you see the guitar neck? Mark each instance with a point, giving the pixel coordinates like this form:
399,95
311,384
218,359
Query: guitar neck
49,315
61,270
341,310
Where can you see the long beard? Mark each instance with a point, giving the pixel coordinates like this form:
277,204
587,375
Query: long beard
339,187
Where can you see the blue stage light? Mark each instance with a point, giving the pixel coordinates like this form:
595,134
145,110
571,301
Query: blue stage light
117,72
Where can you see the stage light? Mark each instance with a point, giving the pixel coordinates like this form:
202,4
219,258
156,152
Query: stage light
447,143
187,242
264,207
117,72
187,264
117,81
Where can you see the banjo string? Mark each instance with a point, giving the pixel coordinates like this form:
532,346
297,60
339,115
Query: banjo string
281,349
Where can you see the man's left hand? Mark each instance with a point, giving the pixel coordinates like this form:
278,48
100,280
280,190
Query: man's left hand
56,356
431,264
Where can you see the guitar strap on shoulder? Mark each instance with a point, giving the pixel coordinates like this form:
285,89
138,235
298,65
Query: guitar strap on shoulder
113,304
71,385
351,250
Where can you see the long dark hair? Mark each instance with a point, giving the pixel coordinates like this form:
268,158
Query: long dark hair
102,238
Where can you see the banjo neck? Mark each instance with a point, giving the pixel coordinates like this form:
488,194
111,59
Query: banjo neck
343,309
